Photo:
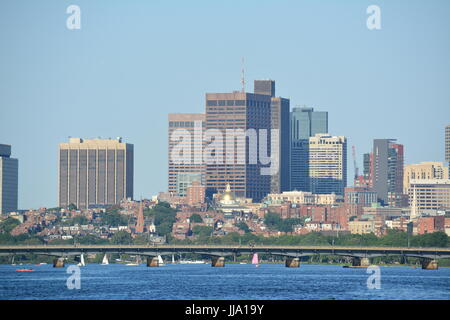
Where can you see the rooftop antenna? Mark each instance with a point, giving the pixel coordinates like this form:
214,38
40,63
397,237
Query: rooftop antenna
243,76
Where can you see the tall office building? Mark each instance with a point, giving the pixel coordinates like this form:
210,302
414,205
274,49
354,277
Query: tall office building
387,179
184,171
428,194
447,146
280,108
95,172
327,164
238,111
305,123
423,171
9,168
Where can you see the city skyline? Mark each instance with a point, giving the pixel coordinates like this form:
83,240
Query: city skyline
71,83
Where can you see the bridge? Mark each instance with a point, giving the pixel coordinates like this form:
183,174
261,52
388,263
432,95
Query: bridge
360,255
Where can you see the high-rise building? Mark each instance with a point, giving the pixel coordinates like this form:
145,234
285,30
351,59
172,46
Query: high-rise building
447,146
9,168
327,164
185,169
280,108
368,169
238,112
305,123
95,172
387,169
425,195
423,171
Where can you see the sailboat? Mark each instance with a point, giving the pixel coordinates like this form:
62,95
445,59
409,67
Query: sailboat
160,261
105,260
255,260
81,263
173,259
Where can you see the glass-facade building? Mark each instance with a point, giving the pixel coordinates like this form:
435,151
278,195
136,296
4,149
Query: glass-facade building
8,180
305,123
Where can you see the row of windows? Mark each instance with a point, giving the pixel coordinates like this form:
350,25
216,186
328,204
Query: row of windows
225,103
184,124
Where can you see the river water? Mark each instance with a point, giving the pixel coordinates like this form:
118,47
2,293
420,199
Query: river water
233,282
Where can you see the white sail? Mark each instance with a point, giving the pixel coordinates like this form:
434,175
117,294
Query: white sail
173,259
105,260
81,264
160,260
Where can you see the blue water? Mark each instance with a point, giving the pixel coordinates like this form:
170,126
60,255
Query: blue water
233,282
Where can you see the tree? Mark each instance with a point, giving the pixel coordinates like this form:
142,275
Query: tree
114,219
8,224
196,218
243,226
202,231
121,237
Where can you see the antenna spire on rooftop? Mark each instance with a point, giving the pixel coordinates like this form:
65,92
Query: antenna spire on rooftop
243,76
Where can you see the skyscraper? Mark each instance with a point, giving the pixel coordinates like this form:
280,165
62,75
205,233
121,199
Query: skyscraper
305,123
95,172
423,171
447,147
280,108
8,180
183,173
231,112
387,177
327,164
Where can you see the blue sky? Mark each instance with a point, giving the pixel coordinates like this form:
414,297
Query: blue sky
133,62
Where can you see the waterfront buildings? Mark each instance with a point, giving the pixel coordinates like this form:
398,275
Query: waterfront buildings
430,224
95,172
305,123
387,167
302,197
195,194
327,164
185,168
9,168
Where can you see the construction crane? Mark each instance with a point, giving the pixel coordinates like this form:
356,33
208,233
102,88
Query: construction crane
354,163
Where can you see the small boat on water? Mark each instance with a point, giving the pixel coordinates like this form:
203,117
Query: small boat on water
81,263
105,260
255,260
160,261
24,270
192,262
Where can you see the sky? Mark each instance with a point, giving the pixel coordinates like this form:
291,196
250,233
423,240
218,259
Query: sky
133,62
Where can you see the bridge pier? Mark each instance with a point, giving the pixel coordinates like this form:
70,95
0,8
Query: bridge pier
292,262
218,262
152,262
429,264
58,263
360,262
